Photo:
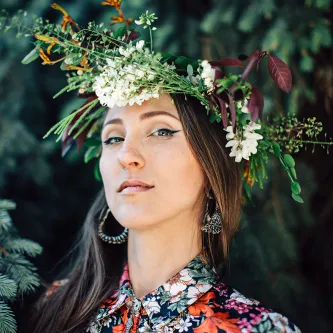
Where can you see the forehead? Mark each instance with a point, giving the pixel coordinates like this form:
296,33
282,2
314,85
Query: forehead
163,103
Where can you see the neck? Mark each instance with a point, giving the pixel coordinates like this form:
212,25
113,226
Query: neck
158,253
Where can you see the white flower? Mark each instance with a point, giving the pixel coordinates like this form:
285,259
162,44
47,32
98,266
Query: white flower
245,108
244,143
132,78
237,296
145,328
152,305
147,19
280,322
208,75
183,325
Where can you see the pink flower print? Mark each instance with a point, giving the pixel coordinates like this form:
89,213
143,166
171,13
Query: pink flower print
244,325
220,287
262,309
239,307
256,318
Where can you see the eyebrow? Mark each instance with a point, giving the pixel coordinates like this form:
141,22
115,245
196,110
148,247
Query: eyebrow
146,115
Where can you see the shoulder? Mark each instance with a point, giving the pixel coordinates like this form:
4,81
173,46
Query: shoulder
251,315
54,286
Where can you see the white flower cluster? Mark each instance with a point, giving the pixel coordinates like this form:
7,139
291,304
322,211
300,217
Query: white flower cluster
243,144
131,78
208,75
147,20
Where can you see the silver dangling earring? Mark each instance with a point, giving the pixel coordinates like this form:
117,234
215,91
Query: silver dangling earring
214,222
122,238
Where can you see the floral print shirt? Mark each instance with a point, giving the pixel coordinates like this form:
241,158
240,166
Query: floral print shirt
193,300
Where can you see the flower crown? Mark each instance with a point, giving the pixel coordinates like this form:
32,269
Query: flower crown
109,68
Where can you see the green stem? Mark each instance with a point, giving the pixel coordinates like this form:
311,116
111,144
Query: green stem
151,40
307,141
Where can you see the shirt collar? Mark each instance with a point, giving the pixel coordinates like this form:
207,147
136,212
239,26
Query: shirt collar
172,297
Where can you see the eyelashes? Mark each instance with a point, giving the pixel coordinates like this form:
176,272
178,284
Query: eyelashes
168,133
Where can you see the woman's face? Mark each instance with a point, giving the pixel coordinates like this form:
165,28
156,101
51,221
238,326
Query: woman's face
147,143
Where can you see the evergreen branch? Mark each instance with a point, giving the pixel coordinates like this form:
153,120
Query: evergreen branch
7,319
26,279
7,204
23,246
5,221
8,288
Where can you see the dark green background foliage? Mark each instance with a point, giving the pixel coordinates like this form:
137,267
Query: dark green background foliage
282,254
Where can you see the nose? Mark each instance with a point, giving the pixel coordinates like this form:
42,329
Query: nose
130,155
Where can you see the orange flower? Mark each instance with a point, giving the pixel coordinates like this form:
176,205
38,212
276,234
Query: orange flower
76,68
120,19
47,60
84,62
113,3
202,305
47,39
119,328
218,320
67,19
117,18
247,174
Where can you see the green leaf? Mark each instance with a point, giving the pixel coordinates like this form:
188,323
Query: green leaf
92,142
31,56
296,188
190,70
293,172
297,198
288,159
97,172
91,153
306,63
120,32
182,62
321,36
276,149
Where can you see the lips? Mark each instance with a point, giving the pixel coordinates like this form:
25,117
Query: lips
134,186
135,189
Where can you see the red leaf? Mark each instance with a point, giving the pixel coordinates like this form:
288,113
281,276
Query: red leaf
223,109
254,55
281,73
226,62
218,74
133,35
256,104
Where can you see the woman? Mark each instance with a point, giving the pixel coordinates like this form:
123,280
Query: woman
164,172
151,253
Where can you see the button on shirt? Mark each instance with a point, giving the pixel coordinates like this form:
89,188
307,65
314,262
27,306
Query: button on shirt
193,300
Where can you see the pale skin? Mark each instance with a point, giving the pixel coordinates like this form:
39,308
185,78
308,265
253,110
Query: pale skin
163,222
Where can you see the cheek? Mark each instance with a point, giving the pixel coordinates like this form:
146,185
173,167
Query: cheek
107,169
179,171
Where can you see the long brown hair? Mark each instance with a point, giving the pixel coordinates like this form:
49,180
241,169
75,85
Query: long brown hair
96,267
